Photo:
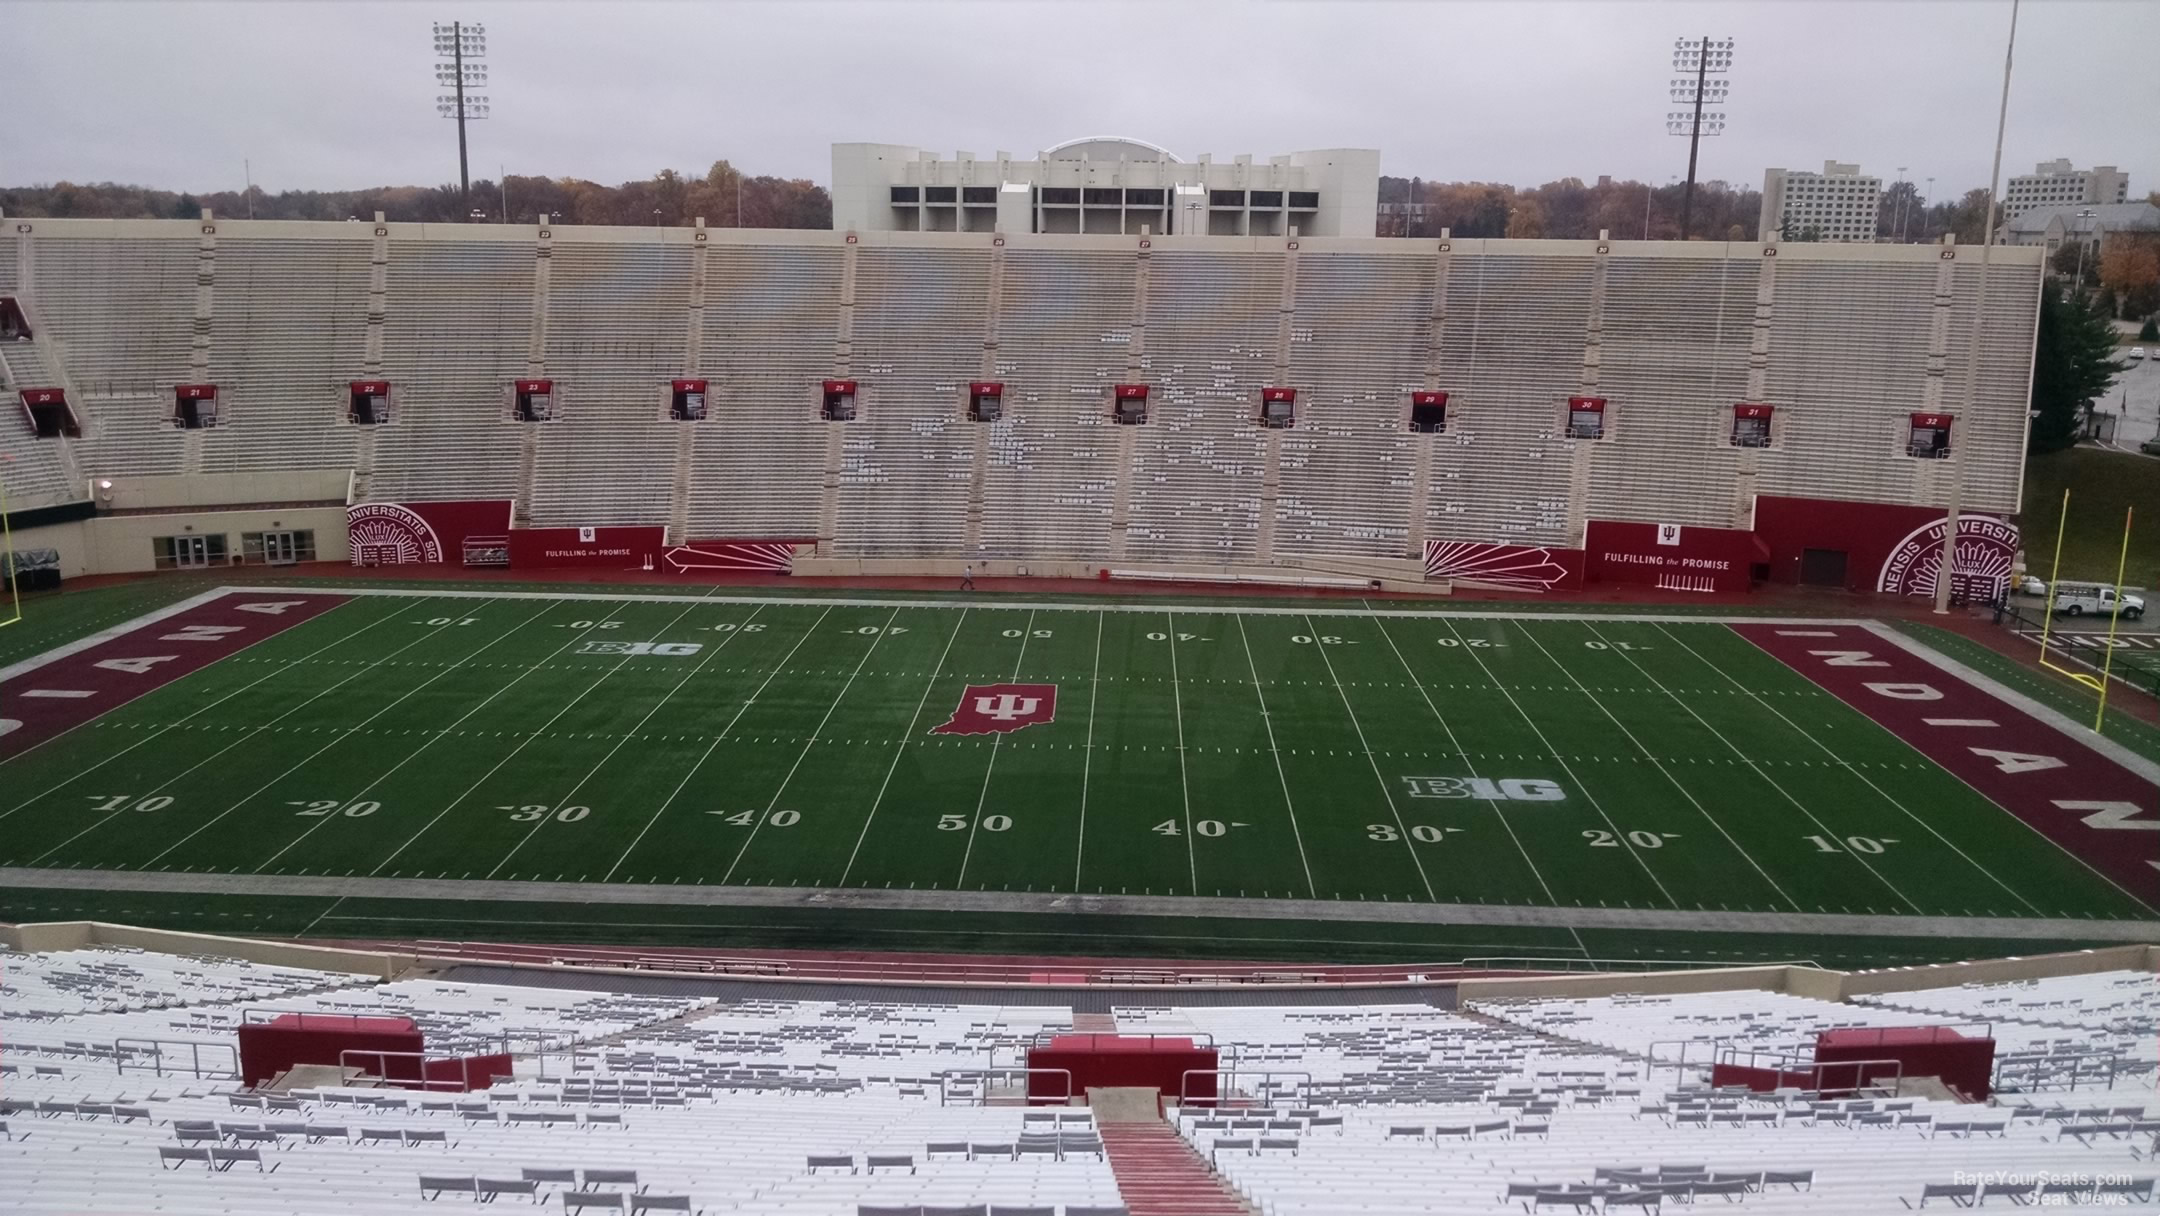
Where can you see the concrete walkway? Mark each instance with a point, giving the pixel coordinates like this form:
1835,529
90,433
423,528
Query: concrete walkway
1007,902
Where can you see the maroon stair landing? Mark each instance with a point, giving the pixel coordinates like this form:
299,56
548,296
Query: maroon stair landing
1160,1175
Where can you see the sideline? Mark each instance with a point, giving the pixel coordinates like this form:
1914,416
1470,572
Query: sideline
1816,923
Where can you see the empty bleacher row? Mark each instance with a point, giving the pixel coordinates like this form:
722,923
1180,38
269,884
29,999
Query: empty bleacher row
778,1106
2032,1055
1508,330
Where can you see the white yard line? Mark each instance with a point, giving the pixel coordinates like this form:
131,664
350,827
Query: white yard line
883,632
1087,755
575,638
166,782
1573,779
1748,760
440,735
1402,828
341,737
914,724
1343,608
153,736
1847,765
1418,683
1659,765
1177,709
715,744
548,815
983,799
1268,720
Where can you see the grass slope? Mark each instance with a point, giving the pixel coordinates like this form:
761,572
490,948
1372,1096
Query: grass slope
2102,485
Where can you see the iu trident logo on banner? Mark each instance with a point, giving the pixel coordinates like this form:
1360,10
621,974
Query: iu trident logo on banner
993,709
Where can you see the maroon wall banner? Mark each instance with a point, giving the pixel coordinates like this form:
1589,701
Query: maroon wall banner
398,534
1986,549
736,556
1672,556
1882,547
607,548
1532,568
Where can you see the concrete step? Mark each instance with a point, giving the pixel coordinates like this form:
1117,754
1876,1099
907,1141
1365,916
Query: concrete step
1158,1174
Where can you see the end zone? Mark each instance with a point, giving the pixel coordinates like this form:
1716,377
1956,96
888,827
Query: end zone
55,692
2061,785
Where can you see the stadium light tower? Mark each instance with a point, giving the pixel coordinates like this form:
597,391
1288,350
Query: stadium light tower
1705,57
457,47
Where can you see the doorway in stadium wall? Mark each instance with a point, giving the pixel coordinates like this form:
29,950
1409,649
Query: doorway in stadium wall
1822,567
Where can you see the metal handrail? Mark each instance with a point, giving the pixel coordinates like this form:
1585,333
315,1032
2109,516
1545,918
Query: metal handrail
462,1085
945,1078
1815,1070
1041,1037
253,1016
2038,1074
124,1048
1528,963
1233,1073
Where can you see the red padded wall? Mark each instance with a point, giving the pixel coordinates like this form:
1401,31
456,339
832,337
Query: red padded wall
1966,1065
269,1048
1099,1061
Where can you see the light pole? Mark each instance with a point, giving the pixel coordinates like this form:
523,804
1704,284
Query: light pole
1705,57
457,46
2083,218
1903,203
1948,568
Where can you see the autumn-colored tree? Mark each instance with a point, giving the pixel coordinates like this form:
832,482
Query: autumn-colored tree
2130,267
766,202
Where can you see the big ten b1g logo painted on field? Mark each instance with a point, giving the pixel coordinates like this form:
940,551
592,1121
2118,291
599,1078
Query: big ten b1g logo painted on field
1507,789
672,650
994,709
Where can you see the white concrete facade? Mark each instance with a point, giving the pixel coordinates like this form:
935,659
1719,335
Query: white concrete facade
1105,186
2055,184
1839,203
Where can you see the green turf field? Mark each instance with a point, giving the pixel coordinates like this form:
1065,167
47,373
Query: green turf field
1338,754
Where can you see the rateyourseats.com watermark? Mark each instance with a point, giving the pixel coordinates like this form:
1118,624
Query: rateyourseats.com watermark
2047,1188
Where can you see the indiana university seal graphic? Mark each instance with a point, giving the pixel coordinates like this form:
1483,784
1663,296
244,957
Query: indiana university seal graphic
993,709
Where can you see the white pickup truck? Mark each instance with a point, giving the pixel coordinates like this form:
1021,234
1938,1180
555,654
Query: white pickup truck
2077,599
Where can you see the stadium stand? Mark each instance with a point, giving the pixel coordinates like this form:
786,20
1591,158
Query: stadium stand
792,1104
1835,340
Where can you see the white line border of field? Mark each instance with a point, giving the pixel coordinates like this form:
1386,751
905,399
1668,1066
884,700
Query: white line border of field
25,666
1331,608
2077,731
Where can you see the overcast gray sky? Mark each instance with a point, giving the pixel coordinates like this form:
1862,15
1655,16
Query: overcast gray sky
337,95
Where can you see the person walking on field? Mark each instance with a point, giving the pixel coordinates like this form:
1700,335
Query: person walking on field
967,578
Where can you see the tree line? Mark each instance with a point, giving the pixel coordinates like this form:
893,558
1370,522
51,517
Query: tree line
725,196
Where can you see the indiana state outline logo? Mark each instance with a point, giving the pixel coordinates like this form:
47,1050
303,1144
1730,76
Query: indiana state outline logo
995,709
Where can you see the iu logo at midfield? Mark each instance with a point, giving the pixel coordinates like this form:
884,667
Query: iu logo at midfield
993,709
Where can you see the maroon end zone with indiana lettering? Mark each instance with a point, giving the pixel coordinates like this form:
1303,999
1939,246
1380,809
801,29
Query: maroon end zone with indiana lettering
2094,807
50,698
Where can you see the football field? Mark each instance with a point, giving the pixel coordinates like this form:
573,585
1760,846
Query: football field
1348,753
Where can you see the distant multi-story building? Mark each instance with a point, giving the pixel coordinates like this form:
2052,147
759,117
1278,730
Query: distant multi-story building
2054,183
1105,185
1837,204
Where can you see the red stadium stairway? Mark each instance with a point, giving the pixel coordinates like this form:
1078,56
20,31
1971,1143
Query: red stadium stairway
1158,1174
